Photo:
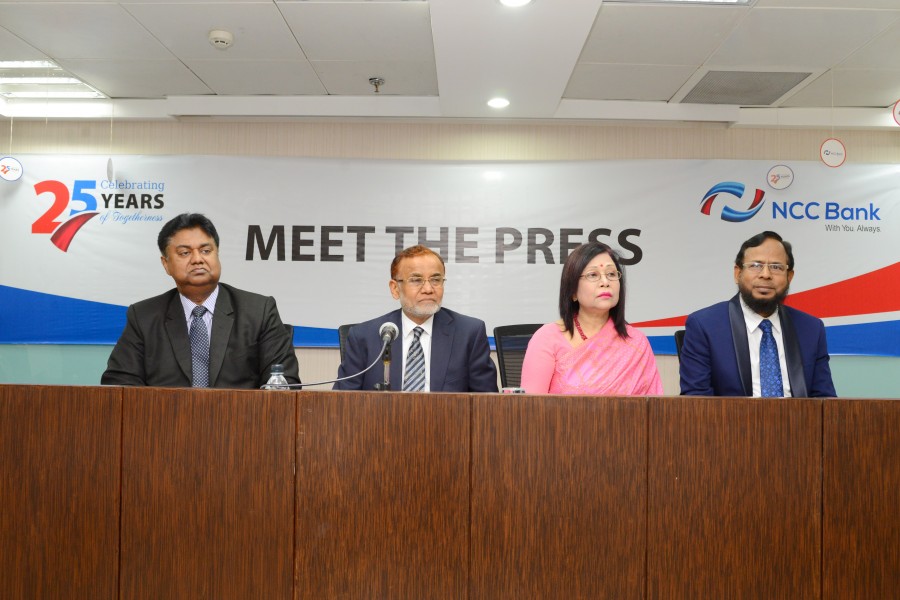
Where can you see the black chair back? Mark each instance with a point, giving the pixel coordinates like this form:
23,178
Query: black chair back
679,340
343,331
511,342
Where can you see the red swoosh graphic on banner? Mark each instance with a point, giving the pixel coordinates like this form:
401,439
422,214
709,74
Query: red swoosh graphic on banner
757,199
866,294
62,237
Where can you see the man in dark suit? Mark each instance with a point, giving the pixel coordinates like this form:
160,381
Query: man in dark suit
725,348
438,350
240,333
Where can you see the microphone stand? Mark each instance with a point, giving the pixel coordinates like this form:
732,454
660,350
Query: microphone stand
385,385
385,353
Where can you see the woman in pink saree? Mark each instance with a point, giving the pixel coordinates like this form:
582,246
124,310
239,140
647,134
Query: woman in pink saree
591,349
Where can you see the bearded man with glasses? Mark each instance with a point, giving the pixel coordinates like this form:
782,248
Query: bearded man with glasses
754,345
438,350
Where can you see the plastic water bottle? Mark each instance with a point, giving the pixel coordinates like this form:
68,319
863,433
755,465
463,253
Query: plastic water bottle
276,379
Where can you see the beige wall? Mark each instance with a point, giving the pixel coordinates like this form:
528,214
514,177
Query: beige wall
390,140
433,141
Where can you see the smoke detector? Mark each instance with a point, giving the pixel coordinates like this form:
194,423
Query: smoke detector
221,39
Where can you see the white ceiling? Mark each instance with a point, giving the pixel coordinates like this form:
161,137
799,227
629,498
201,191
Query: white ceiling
555,60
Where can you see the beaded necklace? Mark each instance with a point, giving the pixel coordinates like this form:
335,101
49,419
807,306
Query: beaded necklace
578,327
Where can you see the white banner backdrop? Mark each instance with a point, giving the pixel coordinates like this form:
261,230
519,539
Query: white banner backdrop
79,237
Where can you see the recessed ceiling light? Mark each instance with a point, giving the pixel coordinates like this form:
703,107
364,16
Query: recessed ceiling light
498,102
514,3
37,79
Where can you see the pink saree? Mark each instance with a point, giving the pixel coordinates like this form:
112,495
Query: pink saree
605,364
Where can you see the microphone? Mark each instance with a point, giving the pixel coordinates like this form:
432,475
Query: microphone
388,332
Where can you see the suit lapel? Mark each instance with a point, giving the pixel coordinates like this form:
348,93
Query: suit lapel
223,320
396,356
792,355
741,344
176,328
441,342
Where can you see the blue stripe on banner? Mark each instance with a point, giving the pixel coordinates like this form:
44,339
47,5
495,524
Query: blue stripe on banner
34,318
867,339
662,344
863,339
28,317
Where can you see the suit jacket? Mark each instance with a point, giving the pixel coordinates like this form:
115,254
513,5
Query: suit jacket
247,338
715,356
460,355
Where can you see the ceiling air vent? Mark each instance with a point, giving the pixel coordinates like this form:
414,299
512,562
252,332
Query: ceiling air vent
743,88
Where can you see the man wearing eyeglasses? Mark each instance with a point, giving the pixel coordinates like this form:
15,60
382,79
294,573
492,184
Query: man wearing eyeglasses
754,345
438,350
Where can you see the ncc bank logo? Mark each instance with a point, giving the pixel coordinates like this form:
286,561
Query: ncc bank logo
736,190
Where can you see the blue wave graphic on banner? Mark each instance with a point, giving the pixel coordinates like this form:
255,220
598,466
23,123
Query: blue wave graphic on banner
28,317
35,318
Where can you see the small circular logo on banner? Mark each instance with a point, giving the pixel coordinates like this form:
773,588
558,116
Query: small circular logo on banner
897,112
10,168
779,177
833,152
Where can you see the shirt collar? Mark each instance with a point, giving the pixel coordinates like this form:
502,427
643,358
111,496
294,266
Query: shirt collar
209,303
408,324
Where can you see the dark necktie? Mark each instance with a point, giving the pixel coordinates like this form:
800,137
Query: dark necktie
199,348
414,379
769,369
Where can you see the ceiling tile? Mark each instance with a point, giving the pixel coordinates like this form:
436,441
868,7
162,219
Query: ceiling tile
12,48
850,88
362,31
656,34
627,82
258,77
881,52
137,78
102,31
804,38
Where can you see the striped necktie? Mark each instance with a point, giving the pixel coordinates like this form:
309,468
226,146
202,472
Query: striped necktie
199,348
770,382
414,379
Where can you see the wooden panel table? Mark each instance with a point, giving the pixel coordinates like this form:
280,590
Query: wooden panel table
207,494
558,497
59,492
128,493
383,495
734,498
862,499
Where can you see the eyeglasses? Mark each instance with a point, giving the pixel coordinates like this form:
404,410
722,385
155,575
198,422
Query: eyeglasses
594,276
774,268
417,282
